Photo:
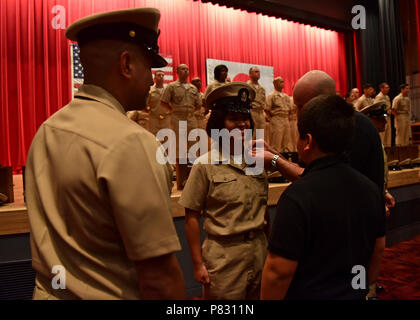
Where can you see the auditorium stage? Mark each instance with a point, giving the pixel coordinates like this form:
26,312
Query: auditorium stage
14,217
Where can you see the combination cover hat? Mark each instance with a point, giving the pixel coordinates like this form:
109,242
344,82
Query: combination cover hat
233,96
138,26
376,110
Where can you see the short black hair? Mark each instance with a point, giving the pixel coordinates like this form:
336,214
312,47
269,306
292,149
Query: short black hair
403,86
218,70
217,120
367,85
330,121
383,84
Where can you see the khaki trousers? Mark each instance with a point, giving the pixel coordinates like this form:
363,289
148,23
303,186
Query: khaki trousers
279,133
191,124
402,125
259,119
235,267
293,136
386,135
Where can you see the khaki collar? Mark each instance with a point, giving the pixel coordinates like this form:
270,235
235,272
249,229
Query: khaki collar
179,83
99,94
227,159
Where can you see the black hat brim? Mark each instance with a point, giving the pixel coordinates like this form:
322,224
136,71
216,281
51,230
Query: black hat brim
158,61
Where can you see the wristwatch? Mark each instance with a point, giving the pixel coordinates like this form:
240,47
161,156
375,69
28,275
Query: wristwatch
274,162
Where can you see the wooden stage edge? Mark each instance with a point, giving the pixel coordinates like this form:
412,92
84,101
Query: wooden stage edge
14,216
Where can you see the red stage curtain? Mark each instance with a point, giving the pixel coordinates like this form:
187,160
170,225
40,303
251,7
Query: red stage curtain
417,14
358,60
35,63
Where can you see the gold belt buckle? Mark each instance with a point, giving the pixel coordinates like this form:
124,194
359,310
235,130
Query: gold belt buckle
161,117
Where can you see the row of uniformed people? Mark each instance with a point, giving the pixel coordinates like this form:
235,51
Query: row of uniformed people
180,100
400,108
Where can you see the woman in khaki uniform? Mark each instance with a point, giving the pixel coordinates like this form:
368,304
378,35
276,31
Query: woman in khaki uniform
233,205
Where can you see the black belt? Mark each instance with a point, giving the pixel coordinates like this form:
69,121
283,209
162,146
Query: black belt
245,236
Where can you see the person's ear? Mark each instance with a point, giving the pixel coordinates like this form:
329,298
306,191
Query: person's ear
309,141
126,64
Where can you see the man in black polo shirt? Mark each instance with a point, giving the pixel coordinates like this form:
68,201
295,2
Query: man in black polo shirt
330,223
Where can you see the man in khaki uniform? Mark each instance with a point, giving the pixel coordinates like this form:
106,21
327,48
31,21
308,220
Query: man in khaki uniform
220,77
98,201
366,99
200,113
278,108
258,105
383,97
183,100
233,204
401,109
293,127
160,118
352,96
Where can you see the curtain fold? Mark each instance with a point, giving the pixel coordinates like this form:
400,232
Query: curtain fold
35,60
417,15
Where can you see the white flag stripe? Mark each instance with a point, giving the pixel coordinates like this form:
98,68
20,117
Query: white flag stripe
165,69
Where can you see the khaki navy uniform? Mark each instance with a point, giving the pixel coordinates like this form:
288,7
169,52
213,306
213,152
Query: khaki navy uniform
140,117
215,84
386,135
258,106
279,106
363,102
200,114
233,205
402,107
184,99
293,127
97,199
160,118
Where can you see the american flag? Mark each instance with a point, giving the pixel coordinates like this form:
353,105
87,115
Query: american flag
77,69
168,70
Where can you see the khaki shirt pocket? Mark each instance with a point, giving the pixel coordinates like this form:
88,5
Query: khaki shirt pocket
192,97
179,94
226,187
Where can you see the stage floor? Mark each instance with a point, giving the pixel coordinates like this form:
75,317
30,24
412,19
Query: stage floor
14,217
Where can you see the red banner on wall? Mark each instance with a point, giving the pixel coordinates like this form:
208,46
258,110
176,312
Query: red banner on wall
35,61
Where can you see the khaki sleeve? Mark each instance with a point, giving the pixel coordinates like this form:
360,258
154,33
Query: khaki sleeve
198,102
289,103
148,100
196,189
269,102
395,103
167,94
137,188
357,104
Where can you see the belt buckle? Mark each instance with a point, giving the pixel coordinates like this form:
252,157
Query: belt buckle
161,117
